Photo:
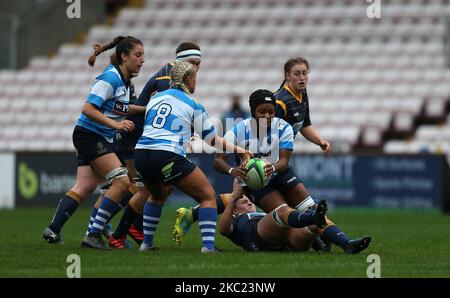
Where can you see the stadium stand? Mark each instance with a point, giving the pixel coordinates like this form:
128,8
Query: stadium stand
368,76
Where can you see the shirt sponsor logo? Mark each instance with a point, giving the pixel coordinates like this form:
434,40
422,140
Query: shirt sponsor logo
120,108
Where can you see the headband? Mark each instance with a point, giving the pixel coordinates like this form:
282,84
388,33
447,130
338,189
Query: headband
187,54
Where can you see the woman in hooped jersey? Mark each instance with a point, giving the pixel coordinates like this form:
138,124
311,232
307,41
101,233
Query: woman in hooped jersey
271,138
102,114
171,118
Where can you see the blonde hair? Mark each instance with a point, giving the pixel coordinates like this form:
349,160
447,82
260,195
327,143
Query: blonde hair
179,73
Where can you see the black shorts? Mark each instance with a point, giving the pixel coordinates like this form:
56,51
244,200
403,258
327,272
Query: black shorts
263,245
250,240
89,145
159,165
124,144
282,181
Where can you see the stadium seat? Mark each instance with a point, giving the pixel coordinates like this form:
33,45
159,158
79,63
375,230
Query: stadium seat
364,73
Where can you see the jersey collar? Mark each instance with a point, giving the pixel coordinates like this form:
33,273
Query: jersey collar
298,98
127,83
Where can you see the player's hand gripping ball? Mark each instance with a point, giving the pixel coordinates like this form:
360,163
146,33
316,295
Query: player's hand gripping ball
256,179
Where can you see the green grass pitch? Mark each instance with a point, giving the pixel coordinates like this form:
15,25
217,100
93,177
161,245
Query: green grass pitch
410,244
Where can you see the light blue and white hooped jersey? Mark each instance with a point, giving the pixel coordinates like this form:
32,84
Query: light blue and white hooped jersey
171,119
279,136
110,94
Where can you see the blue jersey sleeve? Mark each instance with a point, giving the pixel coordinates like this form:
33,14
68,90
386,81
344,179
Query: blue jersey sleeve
237,135
287,137
102,89
202,124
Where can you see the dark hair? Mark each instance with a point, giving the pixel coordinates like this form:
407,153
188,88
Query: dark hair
122,45
259,97
187,45
290,63
112,59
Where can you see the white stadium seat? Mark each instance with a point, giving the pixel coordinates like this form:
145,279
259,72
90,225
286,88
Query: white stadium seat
364,74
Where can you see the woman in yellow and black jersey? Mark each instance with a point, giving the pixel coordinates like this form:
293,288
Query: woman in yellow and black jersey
293,107
292,101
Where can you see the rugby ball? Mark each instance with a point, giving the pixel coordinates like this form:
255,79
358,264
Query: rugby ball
255,174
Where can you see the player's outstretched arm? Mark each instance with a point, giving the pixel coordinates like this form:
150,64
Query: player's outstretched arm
226,220
135,109
311,134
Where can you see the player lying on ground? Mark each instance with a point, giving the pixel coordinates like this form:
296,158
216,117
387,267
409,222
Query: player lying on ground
283,187
283,229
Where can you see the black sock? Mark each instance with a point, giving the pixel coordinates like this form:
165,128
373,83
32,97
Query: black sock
335,235
128,217
195,213
139,223
126,198
66,207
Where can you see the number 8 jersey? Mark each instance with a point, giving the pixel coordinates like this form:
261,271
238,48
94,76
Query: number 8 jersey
171,118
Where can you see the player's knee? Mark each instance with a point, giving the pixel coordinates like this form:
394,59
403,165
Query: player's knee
118,178
121,184
284,211
83,187
208,195
281,214
313,230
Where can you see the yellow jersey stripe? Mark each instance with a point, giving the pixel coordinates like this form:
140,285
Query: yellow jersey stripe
163,78
283,105
298,98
